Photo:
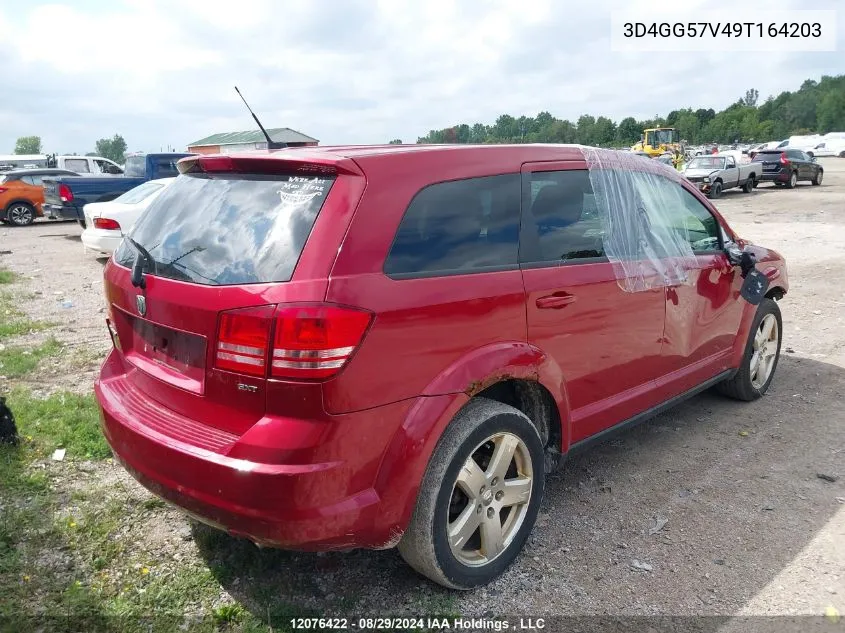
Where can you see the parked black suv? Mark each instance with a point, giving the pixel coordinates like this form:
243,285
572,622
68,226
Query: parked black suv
788,167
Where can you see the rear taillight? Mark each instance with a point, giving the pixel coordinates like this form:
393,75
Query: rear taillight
65,194
243,338
783,159
3,189
106,223
316,341
310,342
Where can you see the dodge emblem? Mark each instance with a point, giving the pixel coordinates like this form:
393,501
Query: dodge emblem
141,303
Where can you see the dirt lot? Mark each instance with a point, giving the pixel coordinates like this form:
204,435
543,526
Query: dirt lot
722,500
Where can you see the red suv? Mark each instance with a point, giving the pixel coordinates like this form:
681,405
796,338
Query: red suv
391,346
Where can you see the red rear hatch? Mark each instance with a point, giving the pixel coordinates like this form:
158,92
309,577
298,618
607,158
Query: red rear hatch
225,252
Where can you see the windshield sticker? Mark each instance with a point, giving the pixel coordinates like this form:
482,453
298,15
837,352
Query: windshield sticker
299,191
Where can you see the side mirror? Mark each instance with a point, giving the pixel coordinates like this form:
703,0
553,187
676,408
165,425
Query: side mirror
734,253
755,283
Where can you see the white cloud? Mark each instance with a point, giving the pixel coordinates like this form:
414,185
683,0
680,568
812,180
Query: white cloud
345,71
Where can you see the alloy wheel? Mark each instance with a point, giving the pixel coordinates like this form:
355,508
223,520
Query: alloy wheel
490,499
765,350
20,215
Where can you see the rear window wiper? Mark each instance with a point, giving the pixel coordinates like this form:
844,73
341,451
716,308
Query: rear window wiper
138,266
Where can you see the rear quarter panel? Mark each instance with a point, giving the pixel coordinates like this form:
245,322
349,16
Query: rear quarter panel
423,326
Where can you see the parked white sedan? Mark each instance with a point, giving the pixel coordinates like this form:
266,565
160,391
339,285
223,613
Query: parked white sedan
107,222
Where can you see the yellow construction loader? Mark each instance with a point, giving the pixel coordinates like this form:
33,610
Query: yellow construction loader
657,141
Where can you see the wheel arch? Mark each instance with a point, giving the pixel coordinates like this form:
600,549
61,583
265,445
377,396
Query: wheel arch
514,373
25,201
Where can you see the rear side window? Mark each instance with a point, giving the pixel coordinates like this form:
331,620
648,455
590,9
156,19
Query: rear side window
79,165
462,226
228,229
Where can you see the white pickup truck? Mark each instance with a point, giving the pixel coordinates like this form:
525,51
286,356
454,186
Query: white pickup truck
89,165
713,174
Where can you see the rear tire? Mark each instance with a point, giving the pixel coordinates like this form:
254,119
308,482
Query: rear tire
760,360
465,485
749,185
817,179
793,180
20,214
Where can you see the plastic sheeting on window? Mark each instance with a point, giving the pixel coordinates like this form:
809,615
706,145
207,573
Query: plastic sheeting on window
646,238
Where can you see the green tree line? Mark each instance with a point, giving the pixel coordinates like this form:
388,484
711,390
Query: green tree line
817,106
112,148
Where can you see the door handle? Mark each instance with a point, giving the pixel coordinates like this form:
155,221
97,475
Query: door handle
555,301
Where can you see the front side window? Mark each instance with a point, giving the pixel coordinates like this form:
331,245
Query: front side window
561,221
108,168
461,226
674,211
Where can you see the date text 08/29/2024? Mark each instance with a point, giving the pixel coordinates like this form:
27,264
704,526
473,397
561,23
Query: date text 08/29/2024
423,623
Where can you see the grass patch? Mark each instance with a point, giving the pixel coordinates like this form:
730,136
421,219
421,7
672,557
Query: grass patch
13,322
64,420
19,361
7,276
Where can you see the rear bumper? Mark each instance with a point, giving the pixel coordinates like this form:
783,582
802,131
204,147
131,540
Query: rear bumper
782,175
60,212
317,505
101,240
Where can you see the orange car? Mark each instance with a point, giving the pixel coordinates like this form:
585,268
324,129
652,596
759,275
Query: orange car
21,194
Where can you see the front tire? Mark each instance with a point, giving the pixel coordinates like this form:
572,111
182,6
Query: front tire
760,360
20,214
817,179
479,497
716,190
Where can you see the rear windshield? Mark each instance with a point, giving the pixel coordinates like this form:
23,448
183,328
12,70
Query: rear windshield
228,229
135,167
139,193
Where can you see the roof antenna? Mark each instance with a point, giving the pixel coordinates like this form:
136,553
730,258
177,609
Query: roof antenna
271,144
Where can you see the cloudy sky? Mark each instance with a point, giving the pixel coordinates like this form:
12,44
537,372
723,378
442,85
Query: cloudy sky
351,71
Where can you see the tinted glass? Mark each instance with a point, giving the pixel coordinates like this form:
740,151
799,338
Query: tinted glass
225,229
139,193
31,180
459,226
561,220
166,167
795,154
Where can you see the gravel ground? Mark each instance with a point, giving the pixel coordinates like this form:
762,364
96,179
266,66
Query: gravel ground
718,502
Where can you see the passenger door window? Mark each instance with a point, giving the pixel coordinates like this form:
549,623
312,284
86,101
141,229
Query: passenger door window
683,215
457,227
107,168
32,180
561,221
